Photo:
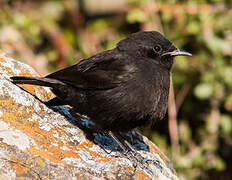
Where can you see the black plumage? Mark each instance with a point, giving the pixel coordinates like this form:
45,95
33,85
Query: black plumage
118,89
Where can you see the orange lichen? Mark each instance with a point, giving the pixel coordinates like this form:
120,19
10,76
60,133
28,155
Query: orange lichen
157,151
7,115
37,134
45,155
3,146
20,168
44,139
104,159
151,149
25,72
50,95
88,145
53,153
5,68
8,103
142,176
161,155
2,59
38,161
44,96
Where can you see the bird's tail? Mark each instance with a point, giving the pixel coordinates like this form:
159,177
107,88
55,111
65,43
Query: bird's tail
40,81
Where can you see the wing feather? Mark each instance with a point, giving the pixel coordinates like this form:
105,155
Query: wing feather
103,71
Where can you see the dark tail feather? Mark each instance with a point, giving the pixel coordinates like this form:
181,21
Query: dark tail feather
40,81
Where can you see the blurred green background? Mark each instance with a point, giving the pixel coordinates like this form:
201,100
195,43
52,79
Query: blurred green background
196,133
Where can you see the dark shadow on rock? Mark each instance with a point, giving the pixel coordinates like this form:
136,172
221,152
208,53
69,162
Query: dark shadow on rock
100,138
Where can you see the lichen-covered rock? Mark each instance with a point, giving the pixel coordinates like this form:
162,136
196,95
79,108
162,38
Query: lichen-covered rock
38,142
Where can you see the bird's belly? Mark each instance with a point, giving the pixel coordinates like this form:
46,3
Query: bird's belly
122,108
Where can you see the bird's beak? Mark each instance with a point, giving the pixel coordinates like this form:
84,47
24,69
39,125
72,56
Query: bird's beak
177,52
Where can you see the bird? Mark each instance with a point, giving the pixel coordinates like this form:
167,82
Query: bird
118,89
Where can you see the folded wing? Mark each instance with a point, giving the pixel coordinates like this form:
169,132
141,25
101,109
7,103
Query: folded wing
103,71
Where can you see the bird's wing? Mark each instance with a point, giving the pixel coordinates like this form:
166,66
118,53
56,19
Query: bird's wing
103,71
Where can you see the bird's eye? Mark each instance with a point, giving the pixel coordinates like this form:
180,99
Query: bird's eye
157,48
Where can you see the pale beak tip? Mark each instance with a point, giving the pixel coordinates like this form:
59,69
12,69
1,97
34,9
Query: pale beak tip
177,52
187,54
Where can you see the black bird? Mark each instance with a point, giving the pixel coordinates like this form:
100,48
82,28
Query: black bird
118,89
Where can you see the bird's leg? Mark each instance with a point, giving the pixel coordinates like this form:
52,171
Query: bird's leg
126,150
120,144
133,151
135,157
126,142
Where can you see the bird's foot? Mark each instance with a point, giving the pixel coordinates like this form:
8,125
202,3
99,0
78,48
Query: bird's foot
138,161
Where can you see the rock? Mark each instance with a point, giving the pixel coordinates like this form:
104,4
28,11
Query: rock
38,142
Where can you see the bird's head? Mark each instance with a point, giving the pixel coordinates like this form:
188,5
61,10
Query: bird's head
151,44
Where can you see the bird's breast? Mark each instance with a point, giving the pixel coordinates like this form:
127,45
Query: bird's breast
159,94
